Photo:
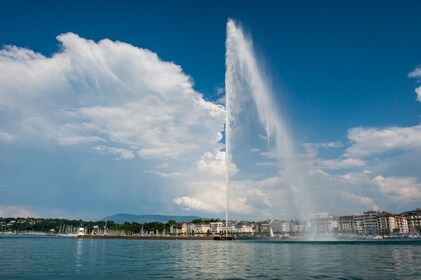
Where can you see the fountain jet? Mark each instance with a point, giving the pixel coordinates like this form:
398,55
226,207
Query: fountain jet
246,82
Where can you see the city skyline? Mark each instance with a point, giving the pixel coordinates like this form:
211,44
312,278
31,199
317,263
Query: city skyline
108,108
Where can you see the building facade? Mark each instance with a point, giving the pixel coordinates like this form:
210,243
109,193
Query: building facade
323,223
216,227
414,220
371,226
346,223
280,226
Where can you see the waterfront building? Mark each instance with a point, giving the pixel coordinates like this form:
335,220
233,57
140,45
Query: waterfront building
190,228
179,229
216,227
346,223
414,220
200,228
244,229
386,223
358,224
296,226
280,226
220,227
230,227
263,227
323,223
371,225
402,224
392,224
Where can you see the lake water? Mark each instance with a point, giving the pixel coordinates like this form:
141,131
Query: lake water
71,258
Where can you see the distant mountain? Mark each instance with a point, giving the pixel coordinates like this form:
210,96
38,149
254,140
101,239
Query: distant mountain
121,218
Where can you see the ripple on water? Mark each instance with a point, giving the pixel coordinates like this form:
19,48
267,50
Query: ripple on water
40,258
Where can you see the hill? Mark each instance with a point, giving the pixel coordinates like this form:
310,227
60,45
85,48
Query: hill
121,218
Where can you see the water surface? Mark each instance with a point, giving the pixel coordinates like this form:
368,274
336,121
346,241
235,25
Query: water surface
71,258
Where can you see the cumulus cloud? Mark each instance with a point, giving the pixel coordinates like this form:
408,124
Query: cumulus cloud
118,100
325,185
126,102
365,201
196,204
245,197
399,188
416,73
107,92
214,163
366,142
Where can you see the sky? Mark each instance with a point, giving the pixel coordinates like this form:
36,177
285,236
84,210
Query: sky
118,107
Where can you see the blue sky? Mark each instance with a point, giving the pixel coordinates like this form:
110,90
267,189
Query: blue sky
74,142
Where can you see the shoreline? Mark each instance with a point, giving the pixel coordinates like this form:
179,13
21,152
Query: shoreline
140,237
386,241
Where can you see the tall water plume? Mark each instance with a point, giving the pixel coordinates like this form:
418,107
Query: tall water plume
245,84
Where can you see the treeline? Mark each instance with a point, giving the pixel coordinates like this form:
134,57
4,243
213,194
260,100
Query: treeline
48,225
71,226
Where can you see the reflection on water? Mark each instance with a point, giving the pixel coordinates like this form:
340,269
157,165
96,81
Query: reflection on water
76,258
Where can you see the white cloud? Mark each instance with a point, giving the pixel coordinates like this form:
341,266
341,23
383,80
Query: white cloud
118,100
107,92
335,164
366,142
13,53
418,92
416,73
119,153
258,199
312,149
170,175
196,204
362,200
214,163
124,101
359,178
245,197
322,184
399,188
